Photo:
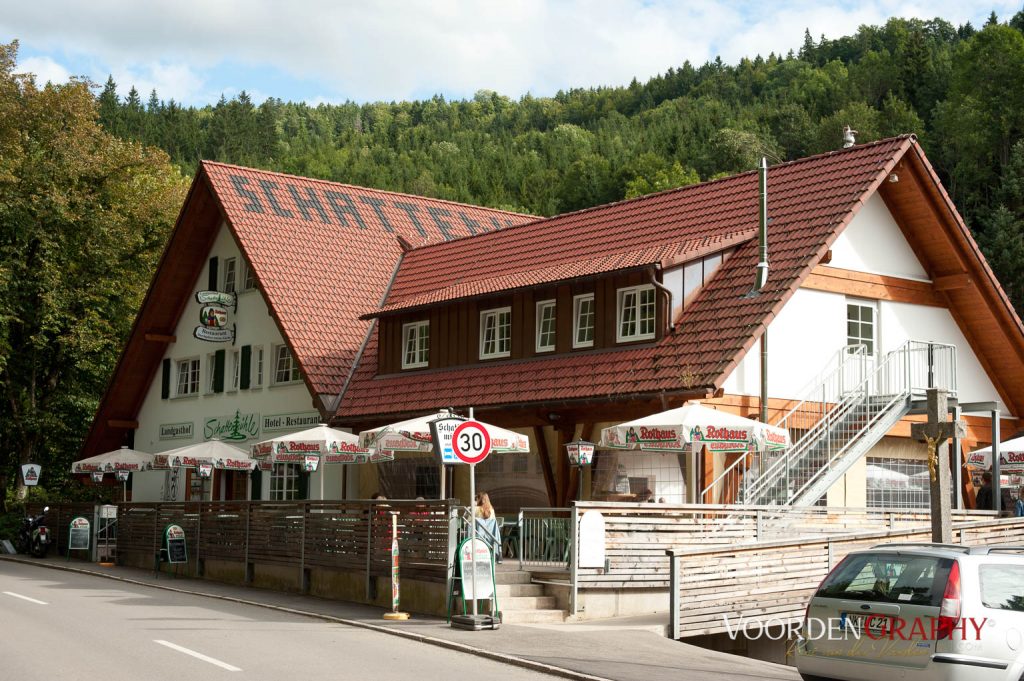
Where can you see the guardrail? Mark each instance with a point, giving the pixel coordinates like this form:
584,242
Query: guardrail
718,589
544,537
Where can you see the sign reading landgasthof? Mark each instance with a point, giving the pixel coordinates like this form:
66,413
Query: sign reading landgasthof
177,431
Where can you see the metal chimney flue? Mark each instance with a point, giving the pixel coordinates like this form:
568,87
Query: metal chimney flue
849,138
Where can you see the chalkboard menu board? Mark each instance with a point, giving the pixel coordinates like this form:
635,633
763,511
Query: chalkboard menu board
174,543
78,534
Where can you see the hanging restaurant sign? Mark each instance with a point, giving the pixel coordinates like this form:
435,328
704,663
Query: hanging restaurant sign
213,316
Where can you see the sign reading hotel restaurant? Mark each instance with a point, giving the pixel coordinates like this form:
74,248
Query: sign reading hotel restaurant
236,427
296,421
177,431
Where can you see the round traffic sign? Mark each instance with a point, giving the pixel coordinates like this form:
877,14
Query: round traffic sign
471,442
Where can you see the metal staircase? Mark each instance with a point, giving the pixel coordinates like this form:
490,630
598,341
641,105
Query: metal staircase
844,413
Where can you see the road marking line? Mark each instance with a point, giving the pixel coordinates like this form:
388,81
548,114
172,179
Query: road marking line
200,656
25,598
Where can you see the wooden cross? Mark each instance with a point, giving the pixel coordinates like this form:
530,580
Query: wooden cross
935,433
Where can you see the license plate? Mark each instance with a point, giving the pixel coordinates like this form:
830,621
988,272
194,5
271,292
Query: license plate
877,625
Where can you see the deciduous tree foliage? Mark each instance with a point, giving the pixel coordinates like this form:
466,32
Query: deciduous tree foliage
83,218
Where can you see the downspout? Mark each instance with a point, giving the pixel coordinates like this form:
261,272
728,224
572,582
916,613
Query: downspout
661,288
762,276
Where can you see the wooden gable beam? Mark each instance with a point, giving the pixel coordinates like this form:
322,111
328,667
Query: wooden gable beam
952,282
160,337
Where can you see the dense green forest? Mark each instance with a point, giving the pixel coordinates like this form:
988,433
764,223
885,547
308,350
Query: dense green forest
960,89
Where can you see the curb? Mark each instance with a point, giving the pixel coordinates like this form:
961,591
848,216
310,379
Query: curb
422,638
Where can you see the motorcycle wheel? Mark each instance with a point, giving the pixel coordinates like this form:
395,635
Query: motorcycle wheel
39,549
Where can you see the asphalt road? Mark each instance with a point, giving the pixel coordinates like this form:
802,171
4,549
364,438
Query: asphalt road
67,626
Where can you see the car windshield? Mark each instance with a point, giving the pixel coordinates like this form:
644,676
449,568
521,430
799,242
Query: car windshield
1002,586
889,578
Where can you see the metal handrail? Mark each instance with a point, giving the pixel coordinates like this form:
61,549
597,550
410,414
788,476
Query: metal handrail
544,540
898,376
814,393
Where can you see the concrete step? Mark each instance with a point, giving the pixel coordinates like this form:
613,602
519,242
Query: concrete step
527,602
531,616
512,577
517,590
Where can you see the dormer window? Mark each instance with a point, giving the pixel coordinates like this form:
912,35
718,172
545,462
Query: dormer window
496,333
636,314
416,344
583,321
545,326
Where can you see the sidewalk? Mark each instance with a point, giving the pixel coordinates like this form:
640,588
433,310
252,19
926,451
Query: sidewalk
587,651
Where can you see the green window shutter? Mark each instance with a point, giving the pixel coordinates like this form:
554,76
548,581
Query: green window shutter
218,371
165,380
213,275
243,370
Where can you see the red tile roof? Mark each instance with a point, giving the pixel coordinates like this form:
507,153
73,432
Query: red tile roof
324,253
809,200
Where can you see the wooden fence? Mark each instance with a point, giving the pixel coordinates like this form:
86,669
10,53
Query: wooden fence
637,535
352,536
59,517
772,581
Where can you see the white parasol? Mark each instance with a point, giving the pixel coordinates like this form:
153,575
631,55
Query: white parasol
879,477
694,424
413,435
319,444
1011,457
124,460
216,453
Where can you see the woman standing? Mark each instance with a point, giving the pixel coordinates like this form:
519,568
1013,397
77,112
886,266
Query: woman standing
487,523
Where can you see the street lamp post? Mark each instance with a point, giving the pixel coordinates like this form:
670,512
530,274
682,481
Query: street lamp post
581,453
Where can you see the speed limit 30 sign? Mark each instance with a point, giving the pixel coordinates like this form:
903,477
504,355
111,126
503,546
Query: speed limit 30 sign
471,442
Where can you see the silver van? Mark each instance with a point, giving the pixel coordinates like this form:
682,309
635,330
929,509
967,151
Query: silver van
917,612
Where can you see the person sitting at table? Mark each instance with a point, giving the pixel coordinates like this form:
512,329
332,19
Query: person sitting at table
487,523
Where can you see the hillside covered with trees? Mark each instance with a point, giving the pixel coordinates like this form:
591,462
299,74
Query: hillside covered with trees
959,89
80,168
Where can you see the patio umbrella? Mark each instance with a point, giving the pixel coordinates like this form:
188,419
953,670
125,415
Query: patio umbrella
694,424
690,427
1011,457
413,435
214,453
319,444
879,477
123,459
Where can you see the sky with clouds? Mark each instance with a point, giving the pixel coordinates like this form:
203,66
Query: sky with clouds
336,50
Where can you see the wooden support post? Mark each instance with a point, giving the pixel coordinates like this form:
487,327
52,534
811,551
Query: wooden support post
545,464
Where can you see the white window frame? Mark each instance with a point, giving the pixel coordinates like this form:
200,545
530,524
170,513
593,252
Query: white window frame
577,304
249,278
285,479
230,284
236,370
542,307
211,373
496,314
417,356
257,367
293,370
192,367
863,303
637,309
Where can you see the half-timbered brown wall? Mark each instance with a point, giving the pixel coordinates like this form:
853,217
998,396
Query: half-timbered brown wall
455,328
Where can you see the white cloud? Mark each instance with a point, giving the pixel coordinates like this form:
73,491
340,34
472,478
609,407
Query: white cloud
45,69
395,49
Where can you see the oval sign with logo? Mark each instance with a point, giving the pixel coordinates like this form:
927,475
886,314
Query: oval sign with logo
213,316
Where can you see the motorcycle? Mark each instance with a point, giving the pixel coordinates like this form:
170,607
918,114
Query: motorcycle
34,537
